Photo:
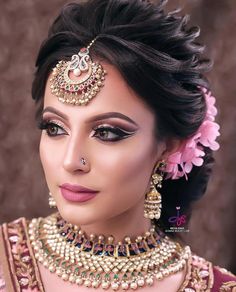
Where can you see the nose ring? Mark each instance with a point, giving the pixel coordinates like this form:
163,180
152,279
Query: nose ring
83,161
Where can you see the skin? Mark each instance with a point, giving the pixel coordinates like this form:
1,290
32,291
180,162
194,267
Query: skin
121,171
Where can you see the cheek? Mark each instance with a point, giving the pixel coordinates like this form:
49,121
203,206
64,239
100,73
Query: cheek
49,156
126,168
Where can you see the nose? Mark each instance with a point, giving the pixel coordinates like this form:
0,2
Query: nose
73,156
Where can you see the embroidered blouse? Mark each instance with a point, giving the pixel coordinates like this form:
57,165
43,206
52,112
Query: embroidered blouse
19,271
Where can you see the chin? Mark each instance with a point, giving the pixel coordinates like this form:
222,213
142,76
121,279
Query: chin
77,215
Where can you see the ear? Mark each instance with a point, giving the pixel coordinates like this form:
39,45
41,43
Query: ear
169,146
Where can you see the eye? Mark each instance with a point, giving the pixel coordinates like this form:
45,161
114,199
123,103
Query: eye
53,129
106,133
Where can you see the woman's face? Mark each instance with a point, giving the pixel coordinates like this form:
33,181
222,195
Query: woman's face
119,160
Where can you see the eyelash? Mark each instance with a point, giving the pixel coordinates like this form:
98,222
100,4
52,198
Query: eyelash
45,124
115,130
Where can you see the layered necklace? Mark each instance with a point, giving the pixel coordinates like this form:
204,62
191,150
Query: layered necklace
96,261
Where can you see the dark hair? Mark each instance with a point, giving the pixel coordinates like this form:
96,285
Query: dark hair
143,43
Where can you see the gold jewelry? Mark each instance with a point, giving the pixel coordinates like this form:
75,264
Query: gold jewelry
51,201
152,204
70,89
96,261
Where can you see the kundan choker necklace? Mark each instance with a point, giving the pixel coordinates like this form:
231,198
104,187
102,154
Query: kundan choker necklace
95,261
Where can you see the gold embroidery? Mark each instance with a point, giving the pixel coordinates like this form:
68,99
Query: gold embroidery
187,275
228,286
21,259
2,281
199,276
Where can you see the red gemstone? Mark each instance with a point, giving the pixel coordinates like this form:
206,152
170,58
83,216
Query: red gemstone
79,238
109,248
88,244
71,235
97,247
134,246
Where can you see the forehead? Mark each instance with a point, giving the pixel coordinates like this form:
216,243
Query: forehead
114,96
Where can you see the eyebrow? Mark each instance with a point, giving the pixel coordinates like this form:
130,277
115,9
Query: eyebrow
94,118
112,115
54,111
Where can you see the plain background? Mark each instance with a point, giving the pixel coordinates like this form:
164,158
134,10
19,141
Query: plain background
23,191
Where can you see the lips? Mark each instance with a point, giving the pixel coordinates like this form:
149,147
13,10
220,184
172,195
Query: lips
77,193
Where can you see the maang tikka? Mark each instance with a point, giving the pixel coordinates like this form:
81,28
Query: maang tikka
152,204
65,81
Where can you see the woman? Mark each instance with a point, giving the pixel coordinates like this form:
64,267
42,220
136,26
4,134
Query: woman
128,131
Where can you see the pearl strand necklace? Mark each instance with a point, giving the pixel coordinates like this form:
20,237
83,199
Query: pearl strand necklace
66,251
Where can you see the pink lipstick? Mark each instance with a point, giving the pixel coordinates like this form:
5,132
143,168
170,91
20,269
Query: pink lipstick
77,193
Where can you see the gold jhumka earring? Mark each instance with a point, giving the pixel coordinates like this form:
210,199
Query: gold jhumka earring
51,201
70,89
152,204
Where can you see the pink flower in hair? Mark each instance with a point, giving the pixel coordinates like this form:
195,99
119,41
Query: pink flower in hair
191,151
209,131
172,165
211,109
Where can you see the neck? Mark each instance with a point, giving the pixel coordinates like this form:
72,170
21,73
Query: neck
130,223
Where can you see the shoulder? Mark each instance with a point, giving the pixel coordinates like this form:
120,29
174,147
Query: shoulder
13,233
17,260
2,280
202,275
12,238
224,279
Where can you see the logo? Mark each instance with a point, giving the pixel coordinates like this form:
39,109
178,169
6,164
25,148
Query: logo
178,221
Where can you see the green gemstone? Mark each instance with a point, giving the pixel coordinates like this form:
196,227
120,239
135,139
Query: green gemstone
107,277
98,276
116,277
63,264
125,276
76,271
83,274
91,275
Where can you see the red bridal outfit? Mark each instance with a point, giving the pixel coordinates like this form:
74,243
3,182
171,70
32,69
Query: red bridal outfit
19,267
